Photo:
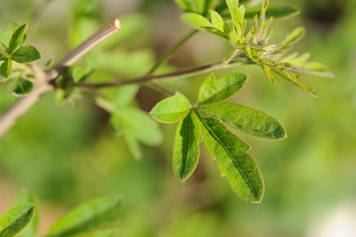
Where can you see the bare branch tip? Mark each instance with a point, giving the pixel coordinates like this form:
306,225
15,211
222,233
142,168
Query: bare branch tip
116,24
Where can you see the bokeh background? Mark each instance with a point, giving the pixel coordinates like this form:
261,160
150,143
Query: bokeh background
66,154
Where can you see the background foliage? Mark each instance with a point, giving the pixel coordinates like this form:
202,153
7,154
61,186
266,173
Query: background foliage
308,176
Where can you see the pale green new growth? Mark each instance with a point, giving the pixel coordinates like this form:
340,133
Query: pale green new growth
171,109
196,20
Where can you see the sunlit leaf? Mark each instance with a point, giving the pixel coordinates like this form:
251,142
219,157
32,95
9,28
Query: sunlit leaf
17,37
31,229
296,35
277,12
186,147
248,120
21,87
15,219
217,20
171,109
196,21
230,154
6,68
26,54
87,217
212,90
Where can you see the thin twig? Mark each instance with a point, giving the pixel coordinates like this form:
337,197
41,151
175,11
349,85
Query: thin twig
42,85
238,61
172,51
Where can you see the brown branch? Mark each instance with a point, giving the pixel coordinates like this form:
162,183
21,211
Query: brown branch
42,85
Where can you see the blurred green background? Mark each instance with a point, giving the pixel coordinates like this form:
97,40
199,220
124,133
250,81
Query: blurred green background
66,154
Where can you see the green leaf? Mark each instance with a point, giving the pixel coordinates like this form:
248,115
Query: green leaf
196,6
316,68
212,90
133,146
125,95
26,197
81,73
217,20
196,21
171,109
138,124
250,121
269,74
87,217
17,37
296,35
21,87
3,56
26,54
5,69
186,147
187,5
277,12
15,219
230,154
297,82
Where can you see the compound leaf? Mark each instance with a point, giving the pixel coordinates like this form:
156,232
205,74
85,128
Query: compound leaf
250,121
26,54
21,87
186,147
87,217
196,20
171,109
15,219
230,154
212,90
17,37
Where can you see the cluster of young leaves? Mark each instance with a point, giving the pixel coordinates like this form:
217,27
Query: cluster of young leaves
253,45
14,52
205,121
94,218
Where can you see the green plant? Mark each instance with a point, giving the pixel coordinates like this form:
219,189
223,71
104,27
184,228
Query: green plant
244,28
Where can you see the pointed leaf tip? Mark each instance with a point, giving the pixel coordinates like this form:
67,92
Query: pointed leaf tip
171,109
15,219
230,154
213,91
17,37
